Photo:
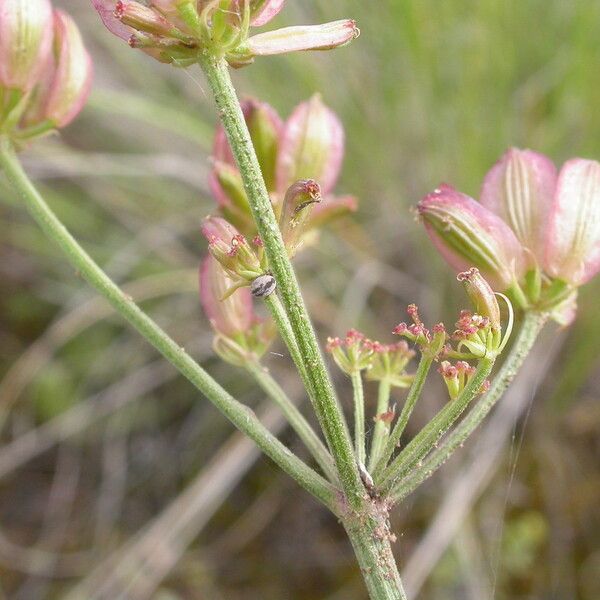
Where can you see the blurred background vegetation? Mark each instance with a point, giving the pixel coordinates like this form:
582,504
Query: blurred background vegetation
119,481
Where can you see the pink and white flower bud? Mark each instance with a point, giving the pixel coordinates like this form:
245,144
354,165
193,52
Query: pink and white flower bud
481,295
467,234
520,189
234,314
70,72
263,11
312,146
25,40
265,127
304,37
573,236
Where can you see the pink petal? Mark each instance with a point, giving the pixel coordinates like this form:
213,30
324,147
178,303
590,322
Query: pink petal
520,189
312,146
467,234
303,37
232,315
25,41
264,10
106,10
219,228
74,71
573,242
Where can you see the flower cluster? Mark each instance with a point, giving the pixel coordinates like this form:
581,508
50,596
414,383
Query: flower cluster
355,353
477,335
430,342
239,335
178,31
456,376
45,70
308,147
535,234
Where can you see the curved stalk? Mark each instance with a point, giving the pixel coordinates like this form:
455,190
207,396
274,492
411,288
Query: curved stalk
295,418
532,325
241,416
321,389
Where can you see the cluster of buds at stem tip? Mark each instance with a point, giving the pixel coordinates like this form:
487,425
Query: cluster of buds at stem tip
480,332
240,336
431,342
309,146
355,353
535,235
45,70
457,375
238,259
179,31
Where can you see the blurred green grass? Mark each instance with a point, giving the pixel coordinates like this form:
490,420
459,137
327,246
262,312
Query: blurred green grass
431,91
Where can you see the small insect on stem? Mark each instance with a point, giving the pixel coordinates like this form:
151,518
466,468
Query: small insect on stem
263,286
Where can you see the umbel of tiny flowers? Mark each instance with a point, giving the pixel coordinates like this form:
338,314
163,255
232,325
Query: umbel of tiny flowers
45,70
240,336
178,31
308,146
239,261
388,363
535,234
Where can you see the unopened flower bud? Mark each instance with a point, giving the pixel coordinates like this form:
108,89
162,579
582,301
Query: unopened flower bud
232,315
573,238
519,188
481,295
456,376
70,74
468,234
312,146
232,251
295,213
305,37
25,39
240,337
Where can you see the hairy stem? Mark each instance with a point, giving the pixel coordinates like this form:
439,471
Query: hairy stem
359,416
241,416
371,539
413,395
429,436
295,418
321,389
381,431
532,325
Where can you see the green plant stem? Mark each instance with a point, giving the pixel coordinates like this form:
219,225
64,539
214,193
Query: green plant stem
321,390
359,416
273,303
429,436
296,419
381,431
241,416
371,541
413,395
532,325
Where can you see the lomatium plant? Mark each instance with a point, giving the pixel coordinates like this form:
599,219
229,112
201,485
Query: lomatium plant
525,248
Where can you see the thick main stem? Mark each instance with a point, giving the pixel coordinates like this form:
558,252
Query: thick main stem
532,325
372,543
320,389
241,416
